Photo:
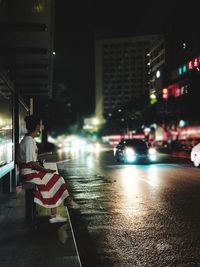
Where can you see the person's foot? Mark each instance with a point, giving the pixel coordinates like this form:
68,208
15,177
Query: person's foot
57,219
71,204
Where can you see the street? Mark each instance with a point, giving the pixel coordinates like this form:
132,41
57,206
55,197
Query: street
134,215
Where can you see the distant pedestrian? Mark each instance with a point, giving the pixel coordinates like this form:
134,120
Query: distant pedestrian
51,188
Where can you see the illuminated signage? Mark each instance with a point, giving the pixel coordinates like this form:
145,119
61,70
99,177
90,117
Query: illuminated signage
191,65
165,93
172,90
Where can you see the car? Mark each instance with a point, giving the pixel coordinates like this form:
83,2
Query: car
195,155
132,150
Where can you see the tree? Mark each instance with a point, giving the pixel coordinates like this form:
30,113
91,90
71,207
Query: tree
60,110
127,117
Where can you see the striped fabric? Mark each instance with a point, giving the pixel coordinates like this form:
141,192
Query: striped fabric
51,188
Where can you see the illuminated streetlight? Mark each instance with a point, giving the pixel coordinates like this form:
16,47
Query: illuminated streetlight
95,121
184,45
157,74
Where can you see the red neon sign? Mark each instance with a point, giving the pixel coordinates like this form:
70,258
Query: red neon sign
165,93
190,65
196,62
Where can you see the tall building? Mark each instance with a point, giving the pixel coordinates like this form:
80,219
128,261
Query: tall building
175,80
157,62
121,71
168,59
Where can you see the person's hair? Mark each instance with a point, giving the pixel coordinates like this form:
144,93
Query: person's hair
31,122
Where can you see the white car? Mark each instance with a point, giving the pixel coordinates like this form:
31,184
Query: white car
195,155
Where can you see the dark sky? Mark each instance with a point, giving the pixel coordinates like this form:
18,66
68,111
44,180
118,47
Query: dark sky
76,22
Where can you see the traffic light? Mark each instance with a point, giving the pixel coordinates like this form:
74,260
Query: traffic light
165,93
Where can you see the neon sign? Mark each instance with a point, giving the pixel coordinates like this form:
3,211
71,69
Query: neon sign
191,65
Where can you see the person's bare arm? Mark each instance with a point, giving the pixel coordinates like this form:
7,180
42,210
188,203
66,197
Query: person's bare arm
38,167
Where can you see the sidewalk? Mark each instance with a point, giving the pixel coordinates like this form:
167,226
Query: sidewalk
49,245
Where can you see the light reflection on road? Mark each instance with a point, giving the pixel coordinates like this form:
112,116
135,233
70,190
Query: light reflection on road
129,180
152,175
136,183
90,161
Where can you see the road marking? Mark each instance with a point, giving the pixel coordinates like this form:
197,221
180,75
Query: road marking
72,231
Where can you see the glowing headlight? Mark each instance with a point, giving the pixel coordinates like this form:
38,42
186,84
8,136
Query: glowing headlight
129,151
152,151
152,154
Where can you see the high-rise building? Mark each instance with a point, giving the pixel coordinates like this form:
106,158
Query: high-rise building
121,71
174,77
157,63
167,61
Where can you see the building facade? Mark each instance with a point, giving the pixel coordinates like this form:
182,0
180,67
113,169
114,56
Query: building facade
157,61
121,71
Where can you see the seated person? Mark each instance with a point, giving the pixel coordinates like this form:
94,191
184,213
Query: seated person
51,188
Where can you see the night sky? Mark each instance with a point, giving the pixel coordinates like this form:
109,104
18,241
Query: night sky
77,21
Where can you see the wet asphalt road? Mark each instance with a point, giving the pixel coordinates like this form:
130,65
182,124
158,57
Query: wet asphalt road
134,215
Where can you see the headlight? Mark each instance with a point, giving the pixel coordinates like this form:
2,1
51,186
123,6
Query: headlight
152,151
129,151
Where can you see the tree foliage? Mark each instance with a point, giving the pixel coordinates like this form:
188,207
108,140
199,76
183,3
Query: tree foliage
60,109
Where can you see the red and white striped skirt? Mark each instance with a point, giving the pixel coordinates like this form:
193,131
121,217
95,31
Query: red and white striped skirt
51,189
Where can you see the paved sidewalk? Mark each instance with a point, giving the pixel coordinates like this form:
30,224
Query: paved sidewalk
48,245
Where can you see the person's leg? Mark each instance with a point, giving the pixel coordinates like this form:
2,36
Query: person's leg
53,212
55,218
